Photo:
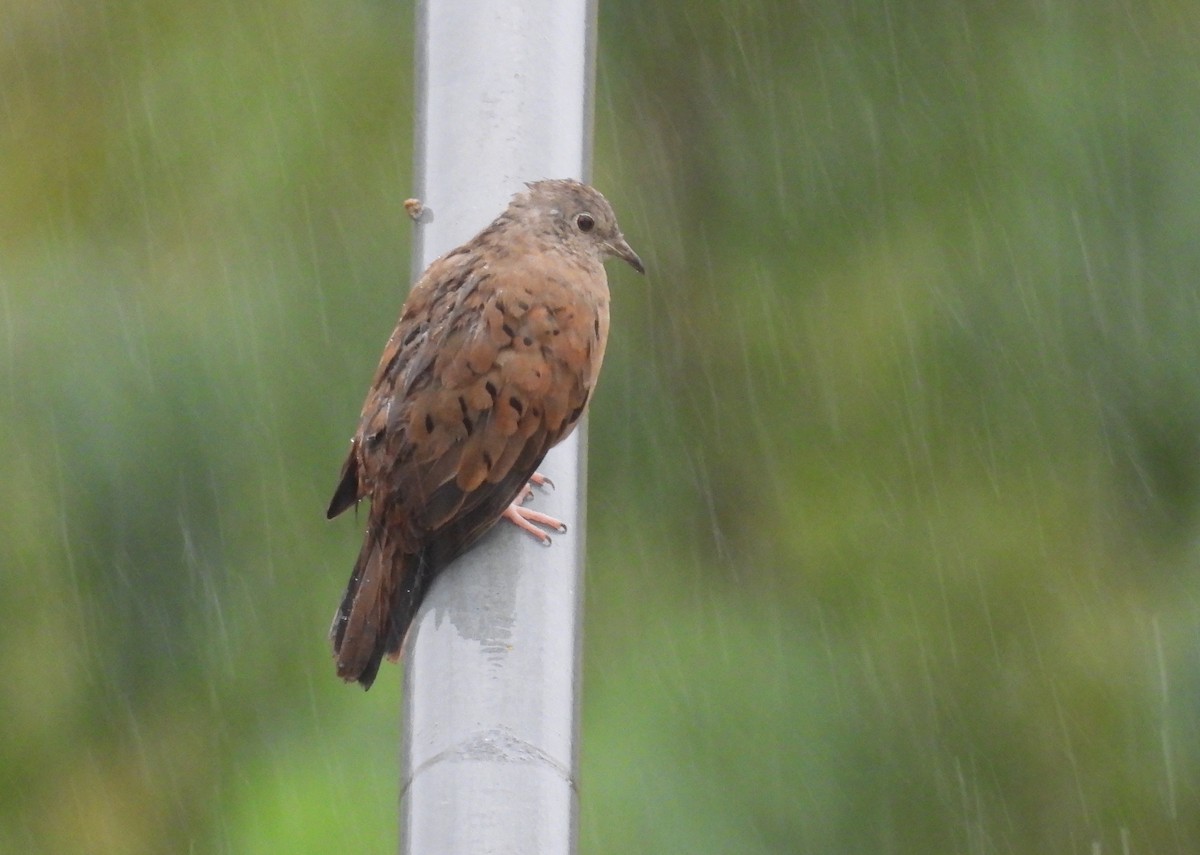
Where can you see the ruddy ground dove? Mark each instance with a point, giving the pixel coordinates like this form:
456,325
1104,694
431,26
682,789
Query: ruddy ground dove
491,364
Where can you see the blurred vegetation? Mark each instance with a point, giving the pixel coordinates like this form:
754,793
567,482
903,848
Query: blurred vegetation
893,545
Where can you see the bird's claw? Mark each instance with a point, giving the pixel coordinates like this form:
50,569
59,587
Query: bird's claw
527,491
529,520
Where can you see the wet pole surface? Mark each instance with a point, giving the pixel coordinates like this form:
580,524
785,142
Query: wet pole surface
490,723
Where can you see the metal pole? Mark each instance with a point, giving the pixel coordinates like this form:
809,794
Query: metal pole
491,684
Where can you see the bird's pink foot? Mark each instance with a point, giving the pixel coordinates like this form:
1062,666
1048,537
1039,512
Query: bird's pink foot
528,519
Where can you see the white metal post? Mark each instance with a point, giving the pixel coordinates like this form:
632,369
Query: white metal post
492,675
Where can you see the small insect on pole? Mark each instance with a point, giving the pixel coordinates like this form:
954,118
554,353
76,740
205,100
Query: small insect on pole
491,679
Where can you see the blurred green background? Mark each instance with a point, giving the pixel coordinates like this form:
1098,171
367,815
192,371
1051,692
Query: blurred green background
895,463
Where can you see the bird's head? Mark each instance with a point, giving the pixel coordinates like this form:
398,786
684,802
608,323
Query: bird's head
580,216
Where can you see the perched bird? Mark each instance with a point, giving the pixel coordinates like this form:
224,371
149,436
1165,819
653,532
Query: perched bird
491,364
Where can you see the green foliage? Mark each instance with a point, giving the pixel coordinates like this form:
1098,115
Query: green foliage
896,460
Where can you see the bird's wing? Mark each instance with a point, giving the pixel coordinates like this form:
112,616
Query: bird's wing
489,366
506,377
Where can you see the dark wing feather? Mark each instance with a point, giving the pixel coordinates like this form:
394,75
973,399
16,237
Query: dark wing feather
347,492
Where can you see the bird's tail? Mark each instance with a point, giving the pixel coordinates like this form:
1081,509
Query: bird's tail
376,610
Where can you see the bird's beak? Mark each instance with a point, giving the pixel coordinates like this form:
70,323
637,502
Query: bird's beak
624,251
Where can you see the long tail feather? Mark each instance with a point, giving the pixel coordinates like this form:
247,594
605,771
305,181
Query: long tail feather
381,599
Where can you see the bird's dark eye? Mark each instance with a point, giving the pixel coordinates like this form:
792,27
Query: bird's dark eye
585,222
